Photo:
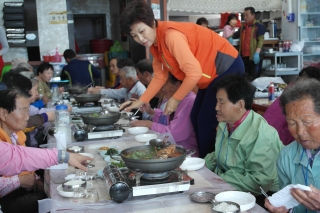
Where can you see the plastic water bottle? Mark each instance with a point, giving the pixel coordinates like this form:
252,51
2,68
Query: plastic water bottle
55,93
62,120
271,92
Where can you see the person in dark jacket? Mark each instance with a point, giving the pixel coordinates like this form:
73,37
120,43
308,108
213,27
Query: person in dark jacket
78,72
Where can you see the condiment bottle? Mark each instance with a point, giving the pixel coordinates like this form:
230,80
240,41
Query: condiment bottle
271,92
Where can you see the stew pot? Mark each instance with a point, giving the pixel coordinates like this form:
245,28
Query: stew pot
85,98
154,165
77,90
111,118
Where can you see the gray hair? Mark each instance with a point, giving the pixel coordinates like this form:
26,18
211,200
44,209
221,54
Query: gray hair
304,88
25,65
130,72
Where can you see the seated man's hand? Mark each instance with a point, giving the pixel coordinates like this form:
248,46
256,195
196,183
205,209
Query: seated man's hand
311,200
94,90
134,96
147,108
61,90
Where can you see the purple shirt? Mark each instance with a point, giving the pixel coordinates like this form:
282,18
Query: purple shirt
180,126
227,31
275,117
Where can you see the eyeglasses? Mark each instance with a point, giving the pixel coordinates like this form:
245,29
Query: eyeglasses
3,86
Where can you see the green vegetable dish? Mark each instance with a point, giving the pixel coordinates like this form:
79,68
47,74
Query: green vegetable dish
119,165
112,151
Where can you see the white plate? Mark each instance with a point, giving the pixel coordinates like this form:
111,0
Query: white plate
143,138
244,199
192,164
138,130
68,194
87,154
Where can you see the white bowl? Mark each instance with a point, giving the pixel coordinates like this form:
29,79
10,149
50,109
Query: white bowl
143,138
138,130
87,154
245,200
68,194
113,109
98,151
192,164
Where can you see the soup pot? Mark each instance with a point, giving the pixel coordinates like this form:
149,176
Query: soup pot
77,90
153,165
111,118
85,98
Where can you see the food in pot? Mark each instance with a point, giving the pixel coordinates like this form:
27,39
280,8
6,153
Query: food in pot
74,182
225,207
154,153
104,148
97,115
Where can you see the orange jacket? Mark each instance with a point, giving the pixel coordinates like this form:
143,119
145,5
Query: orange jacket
21,141
193,54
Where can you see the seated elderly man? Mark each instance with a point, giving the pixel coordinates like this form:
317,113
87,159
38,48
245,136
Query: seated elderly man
299,162
130,85
246,147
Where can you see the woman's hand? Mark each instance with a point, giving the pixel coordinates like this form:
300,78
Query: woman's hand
273,209
76,160
311,200
145,123
171,106
129,105
51,116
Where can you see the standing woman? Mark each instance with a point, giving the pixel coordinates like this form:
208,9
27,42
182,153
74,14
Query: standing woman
230,26
193,54
4,47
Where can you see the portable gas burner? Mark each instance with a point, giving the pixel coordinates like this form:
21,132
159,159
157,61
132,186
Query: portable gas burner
107,131
81,108
124,183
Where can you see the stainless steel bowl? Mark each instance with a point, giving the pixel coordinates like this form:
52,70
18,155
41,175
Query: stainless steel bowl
228,202
70,188
75,149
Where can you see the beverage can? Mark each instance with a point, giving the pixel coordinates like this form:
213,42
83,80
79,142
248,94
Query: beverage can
271,92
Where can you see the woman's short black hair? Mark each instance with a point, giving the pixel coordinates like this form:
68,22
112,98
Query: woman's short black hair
310,72
18,81
136,11
44,66
231,17
8,98
237,88
124,62
202,20
145,65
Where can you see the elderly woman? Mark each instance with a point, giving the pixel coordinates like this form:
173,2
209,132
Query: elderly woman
299,162
19,193
178,124
44,75
246,146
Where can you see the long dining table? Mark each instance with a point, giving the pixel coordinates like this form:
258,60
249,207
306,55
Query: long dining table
205,180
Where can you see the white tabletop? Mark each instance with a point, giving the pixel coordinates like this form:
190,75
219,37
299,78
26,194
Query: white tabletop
205,180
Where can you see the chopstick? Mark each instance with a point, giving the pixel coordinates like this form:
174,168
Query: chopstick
263,192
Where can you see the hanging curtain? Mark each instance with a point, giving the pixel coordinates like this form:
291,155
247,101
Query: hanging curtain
223,6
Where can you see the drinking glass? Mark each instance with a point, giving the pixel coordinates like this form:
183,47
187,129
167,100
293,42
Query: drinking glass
92,195
79,196
81,175
91,177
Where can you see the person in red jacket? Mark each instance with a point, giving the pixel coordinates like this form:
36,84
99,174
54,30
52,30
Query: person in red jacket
193,54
